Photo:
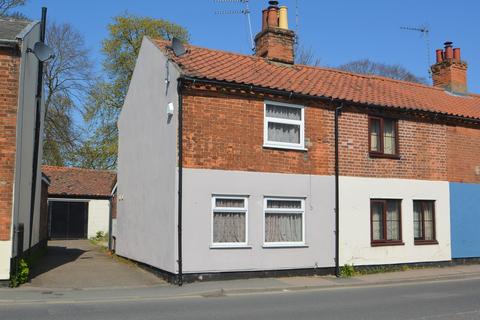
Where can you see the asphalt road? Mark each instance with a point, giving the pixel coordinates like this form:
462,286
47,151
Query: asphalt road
453,299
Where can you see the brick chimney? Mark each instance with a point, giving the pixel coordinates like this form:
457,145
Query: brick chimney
275,42
450,72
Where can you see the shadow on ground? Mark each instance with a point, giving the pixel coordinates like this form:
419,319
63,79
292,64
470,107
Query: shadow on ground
80,264
55,257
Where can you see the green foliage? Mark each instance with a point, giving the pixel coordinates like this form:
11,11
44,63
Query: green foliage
106,99
101,236
347,271
21,274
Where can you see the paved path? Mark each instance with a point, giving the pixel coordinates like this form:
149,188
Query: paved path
79,264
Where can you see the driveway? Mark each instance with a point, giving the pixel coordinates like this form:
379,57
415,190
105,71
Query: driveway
79,264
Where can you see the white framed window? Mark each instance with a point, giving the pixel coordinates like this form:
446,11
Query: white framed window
284,126
229,221
284,222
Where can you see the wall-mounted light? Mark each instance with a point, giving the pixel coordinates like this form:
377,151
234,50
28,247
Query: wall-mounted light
170,109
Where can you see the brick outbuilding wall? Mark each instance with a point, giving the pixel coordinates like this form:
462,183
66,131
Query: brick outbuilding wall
9,73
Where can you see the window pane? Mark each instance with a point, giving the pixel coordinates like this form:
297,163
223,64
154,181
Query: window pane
428,220
417,220
228,227
284,112
374,135
229,203
284,204
377,221
280,132
280,227
393,220
389,137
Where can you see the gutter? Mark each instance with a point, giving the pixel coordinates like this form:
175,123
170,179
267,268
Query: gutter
180,180
36,145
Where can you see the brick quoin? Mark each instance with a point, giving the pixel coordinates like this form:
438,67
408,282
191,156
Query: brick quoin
224,131
9,74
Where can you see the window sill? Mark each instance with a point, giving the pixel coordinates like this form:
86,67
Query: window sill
425,242
293,148
230,246
387,243
284,245
383,155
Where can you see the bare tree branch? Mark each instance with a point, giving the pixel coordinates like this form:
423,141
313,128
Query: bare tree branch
368,67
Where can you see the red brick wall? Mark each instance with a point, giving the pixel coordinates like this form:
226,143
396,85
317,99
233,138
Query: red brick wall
463,154
422,149
9,72
226,132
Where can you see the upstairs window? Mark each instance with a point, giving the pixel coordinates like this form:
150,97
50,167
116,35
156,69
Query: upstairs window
424,221
383,137
284,126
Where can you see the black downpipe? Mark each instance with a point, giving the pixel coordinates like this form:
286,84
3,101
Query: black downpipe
111,199
38,112
180,180
337,193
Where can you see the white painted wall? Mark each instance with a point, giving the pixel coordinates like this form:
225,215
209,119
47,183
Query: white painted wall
355,195
147,158
98,216
200,185
5,254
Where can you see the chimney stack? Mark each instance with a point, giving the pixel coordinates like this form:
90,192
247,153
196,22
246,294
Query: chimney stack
450,72
275,42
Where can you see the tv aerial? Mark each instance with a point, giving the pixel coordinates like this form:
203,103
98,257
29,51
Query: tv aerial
245,11
424,30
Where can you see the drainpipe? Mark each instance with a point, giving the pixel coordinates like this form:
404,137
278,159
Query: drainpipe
338,110
180,180
36,138
110,224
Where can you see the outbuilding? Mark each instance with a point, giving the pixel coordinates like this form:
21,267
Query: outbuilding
79,202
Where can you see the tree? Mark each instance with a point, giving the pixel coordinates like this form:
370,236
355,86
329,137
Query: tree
306,56
68,78
7,5
365,66
120,49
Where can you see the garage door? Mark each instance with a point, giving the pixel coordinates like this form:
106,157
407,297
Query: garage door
68,220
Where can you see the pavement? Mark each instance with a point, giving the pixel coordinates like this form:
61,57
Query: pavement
78,264
444,298
150,291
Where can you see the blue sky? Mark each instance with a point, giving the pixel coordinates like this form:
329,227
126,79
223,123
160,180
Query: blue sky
337,31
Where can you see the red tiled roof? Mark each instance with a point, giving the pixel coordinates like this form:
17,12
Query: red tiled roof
202,63
69,181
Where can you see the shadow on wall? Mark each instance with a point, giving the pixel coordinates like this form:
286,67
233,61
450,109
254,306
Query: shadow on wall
55,257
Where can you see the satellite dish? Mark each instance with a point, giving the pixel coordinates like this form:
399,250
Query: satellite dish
178,47
42,51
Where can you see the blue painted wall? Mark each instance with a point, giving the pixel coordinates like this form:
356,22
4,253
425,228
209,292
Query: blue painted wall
465,219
